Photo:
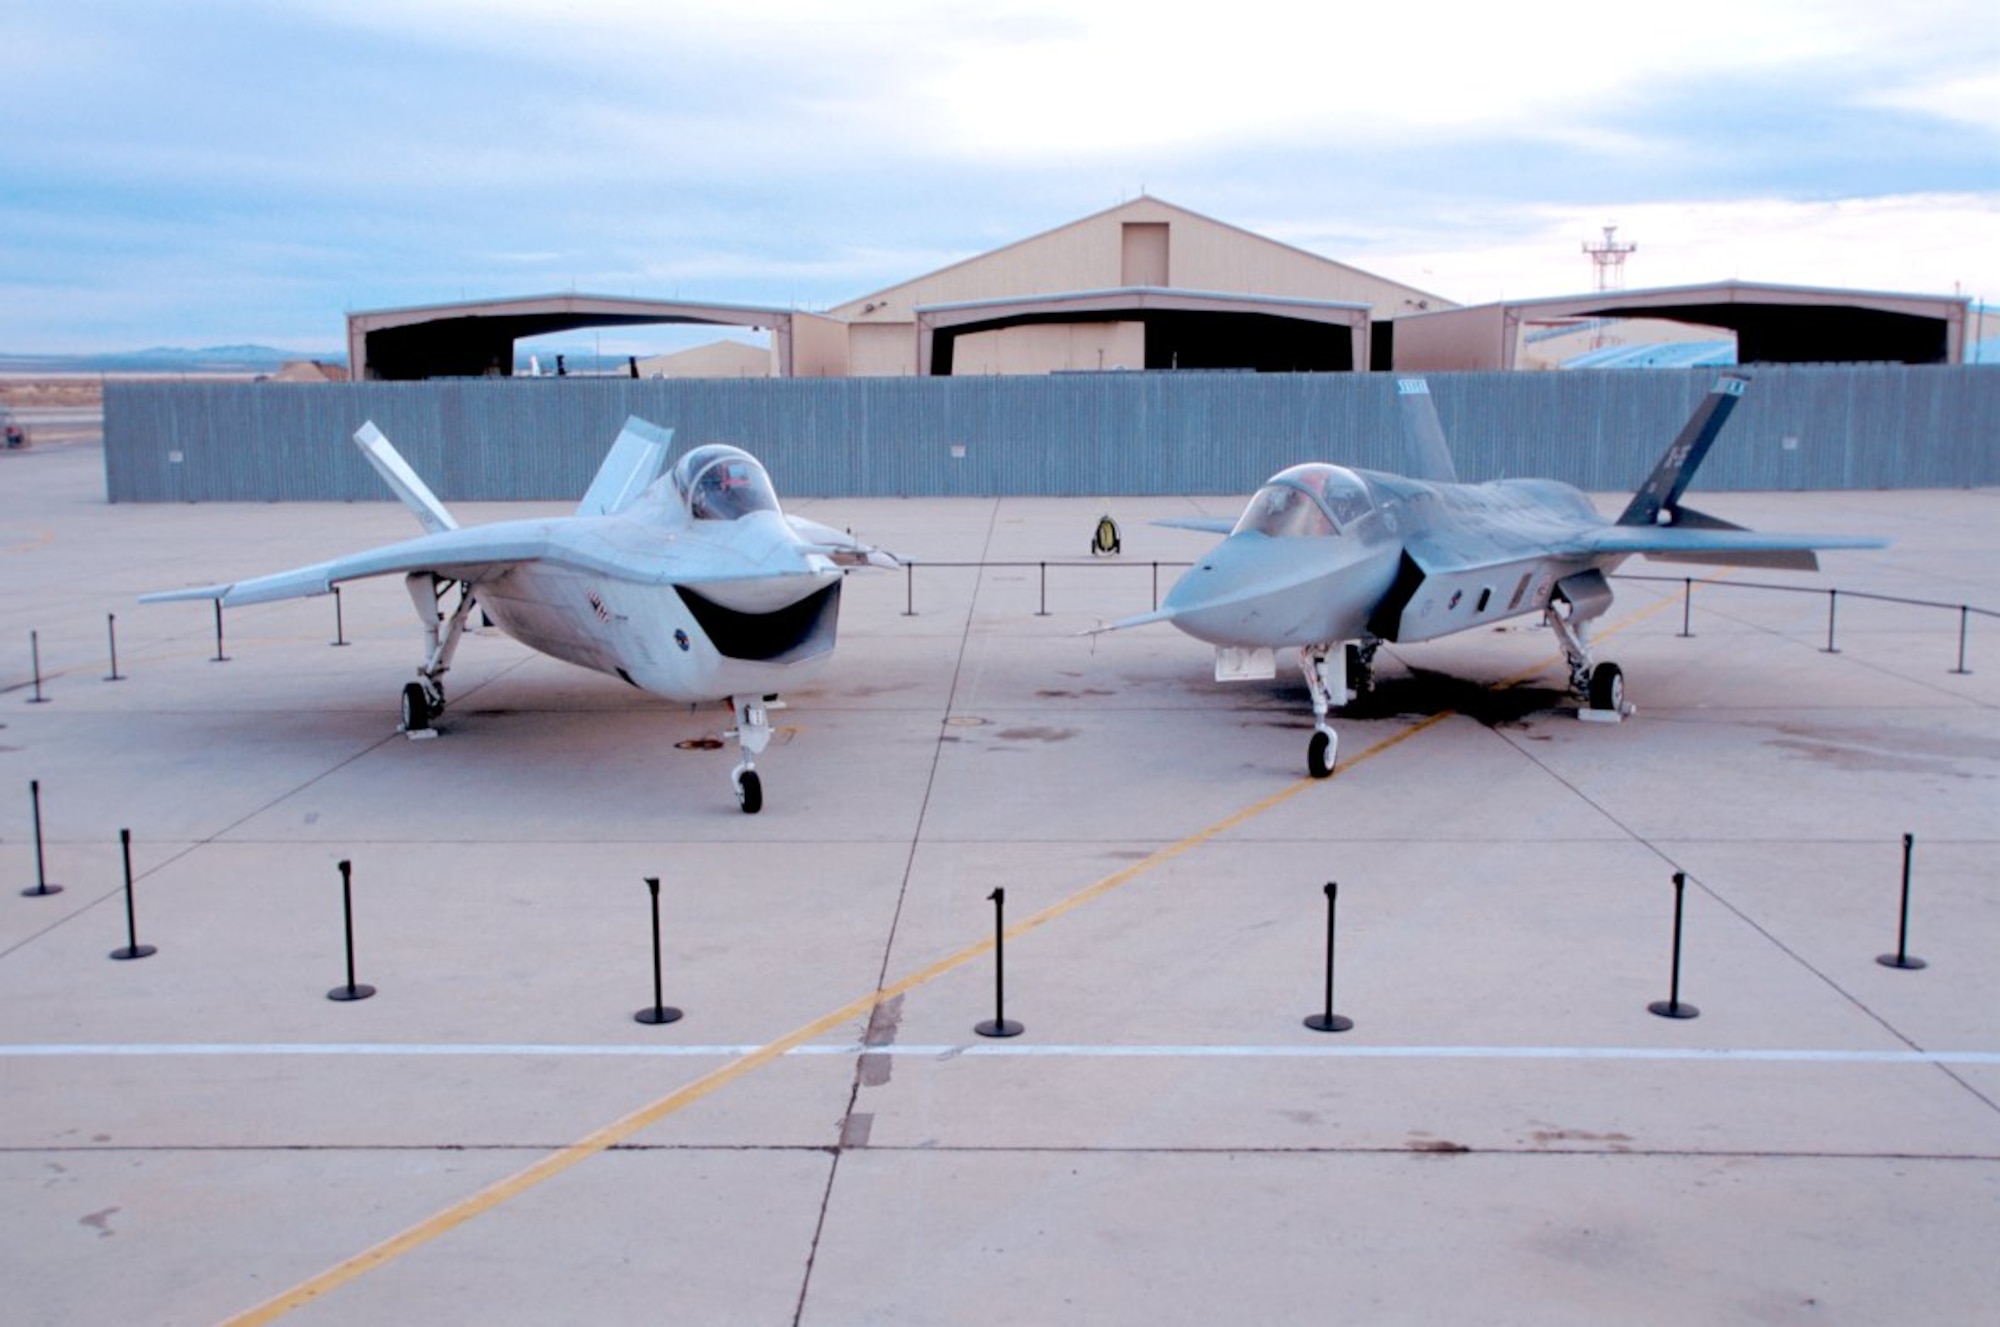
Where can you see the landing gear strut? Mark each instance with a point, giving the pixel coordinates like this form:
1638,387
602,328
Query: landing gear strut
1355,675
423,699
1601,686
752,733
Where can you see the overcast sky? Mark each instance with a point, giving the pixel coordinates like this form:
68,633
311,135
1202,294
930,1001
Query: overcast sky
218,172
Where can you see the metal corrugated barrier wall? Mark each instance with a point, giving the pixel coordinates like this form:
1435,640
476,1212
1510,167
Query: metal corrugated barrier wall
1086,435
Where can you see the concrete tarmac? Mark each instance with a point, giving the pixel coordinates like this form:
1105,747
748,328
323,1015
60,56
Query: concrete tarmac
1506,1135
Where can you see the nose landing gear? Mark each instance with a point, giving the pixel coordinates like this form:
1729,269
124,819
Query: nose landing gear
752,733
1356,675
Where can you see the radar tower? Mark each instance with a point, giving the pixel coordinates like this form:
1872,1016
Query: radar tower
1609,257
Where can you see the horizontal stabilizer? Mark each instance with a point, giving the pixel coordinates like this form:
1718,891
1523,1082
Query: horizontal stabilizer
398,475
1718,544
634,461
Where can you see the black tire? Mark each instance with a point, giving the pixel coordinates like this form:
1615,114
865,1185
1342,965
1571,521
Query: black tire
1318,762
1607,688
750,792
416,708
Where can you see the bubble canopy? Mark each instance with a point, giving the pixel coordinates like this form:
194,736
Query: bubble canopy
1307,501
722,483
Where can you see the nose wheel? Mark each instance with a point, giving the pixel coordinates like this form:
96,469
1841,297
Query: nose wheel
752,733
749,790
1317,662
1320,752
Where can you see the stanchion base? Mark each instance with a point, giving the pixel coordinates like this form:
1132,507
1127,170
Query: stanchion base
346,993
133,951
1328,1022
1907,962
998,1027
1674,1009
657,1013
40,890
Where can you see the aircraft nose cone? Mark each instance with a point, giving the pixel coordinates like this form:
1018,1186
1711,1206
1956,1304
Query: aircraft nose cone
1255,591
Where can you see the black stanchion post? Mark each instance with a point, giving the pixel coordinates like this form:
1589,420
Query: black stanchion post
35,660
42,885
220,657
999,1025
1043,611
111,633
1832,606
1902,958
658,1011
339,623
1156,587
1672,1006
1326,1020
132,949
909,589
1963,613
351,991
1687,606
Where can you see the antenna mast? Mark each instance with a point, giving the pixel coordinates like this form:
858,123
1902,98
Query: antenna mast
1609,257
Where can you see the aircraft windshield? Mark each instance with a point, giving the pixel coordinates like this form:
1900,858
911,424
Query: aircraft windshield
1307,501
720,483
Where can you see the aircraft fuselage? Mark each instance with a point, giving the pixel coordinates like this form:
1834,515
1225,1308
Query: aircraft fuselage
1291,576
612,594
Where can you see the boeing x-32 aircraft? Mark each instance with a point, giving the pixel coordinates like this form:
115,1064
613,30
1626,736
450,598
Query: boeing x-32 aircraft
692,585
1325,557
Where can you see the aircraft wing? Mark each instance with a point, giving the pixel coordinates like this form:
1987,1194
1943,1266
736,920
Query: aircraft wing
1205,524
471,556
1716,544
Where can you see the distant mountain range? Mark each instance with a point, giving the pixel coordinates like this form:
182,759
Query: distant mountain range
166,359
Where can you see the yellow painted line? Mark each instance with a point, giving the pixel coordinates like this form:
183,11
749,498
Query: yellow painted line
611,1135
619,1130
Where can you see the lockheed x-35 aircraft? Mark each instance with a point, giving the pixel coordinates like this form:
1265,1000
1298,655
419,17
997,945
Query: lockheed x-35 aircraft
1326,557
692,585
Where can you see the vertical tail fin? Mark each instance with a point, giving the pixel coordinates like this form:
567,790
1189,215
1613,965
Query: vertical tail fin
1427,456
634,461
396,473
1663,488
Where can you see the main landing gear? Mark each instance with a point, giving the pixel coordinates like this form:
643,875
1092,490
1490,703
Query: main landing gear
1601,686
423,699
1356,677
752,733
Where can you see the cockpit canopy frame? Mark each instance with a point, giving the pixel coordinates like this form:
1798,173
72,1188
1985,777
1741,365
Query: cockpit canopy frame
718,482
1314,500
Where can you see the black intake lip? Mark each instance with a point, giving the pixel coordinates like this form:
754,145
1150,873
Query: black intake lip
797,631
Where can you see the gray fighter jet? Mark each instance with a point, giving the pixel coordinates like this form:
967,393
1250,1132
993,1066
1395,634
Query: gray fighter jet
690,584
1331,562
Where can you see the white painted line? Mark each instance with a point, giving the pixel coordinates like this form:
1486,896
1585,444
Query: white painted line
988,1050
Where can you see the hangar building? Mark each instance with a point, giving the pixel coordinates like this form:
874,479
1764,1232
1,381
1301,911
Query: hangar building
1144,285
1772,325
1150,285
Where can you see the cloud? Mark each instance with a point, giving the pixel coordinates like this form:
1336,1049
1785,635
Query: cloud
329,154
